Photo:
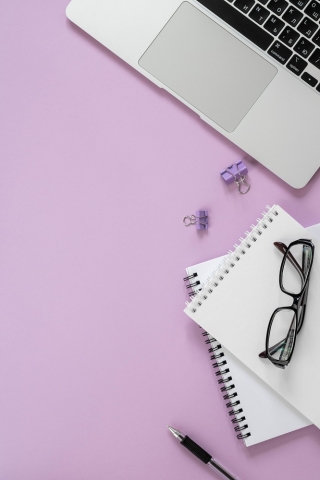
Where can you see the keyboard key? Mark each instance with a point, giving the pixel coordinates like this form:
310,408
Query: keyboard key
259,14
318,88
313,10
277,6
316,38
244,5
299,3
280,52
304,47
309,79
296,64
264,2
289,36
274,25
239,22
315,58
307,27
292,16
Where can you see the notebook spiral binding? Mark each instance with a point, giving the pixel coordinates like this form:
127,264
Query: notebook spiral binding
225,381
222,370
199,295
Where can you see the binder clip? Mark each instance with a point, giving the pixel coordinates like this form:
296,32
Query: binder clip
237,173
200,220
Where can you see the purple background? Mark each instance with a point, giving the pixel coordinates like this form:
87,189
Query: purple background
98,168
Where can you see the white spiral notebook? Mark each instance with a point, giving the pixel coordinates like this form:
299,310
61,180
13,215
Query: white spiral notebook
236,303
267,418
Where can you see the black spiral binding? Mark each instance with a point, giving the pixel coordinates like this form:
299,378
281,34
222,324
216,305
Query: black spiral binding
193,284
224,372
222,369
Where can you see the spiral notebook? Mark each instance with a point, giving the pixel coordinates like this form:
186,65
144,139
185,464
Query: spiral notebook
261,420
236,303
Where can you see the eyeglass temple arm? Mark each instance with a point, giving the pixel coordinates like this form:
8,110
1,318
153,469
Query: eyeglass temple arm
273,349
303,304
303,308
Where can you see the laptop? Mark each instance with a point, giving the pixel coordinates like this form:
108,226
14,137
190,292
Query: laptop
250,69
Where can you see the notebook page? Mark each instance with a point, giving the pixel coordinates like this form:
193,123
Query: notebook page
239,309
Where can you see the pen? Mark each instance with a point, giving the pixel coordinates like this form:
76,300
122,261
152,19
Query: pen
200,453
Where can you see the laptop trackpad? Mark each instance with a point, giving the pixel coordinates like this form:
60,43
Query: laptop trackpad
207,66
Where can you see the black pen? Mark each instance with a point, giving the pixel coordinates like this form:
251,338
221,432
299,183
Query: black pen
200,453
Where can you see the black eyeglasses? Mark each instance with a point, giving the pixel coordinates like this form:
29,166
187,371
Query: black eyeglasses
286,322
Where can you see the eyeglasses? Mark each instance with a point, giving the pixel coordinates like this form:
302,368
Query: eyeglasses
286,322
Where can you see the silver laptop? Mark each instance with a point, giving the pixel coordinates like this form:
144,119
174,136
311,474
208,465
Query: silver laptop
250,69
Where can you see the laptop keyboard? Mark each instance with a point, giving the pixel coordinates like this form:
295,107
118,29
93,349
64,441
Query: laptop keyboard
288,30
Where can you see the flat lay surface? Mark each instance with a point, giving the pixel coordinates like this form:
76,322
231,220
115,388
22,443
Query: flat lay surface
98,169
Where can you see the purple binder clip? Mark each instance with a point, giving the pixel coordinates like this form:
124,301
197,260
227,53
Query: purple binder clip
200,220
236,173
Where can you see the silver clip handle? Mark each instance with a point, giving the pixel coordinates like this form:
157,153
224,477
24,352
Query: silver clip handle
242,183
192,220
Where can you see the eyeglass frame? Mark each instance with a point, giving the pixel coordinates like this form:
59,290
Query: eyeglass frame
299,300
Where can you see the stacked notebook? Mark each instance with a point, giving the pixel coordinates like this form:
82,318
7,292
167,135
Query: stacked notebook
234,306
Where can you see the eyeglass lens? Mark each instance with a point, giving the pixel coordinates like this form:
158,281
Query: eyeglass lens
296,268
282,334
